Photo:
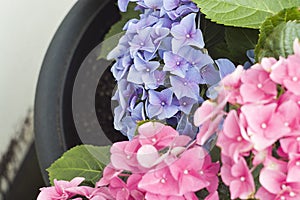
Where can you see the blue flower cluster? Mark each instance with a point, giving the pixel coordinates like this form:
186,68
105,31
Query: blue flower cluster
160,63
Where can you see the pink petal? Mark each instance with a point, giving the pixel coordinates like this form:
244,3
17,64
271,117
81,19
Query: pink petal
272,180
147,155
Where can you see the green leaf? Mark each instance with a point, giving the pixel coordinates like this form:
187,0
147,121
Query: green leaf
243,13
280,42
227,41
111,39
268,32
239,40
213,33
81,161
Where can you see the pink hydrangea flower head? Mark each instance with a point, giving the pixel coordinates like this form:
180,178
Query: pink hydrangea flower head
101,193
257,86
265,126
267,63
290,112
231,139
205,112
126,191
292,81
156,134
59,190
291,144
260,156
187,170
279,71
123,155
147,155
275,164
209,110
293,168
210,172
188,196
274,182
231,85
239,179
159,181
208,129
262,193
109,173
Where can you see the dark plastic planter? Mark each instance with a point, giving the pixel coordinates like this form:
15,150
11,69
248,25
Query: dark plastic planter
55,132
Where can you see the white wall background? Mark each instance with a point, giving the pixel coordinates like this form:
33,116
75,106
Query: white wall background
26,29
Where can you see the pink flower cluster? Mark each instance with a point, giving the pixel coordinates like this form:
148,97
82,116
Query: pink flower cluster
159,164
261,130
64,190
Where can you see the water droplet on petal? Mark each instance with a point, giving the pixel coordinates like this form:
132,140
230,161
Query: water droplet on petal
163,180
243,179
186,171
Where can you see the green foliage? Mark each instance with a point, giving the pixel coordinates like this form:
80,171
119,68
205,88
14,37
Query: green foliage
81,161
239,40
243,13
278,33
228,42
116,31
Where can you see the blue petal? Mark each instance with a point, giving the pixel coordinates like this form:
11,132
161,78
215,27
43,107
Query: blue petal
123,5
134,76
210,74
225,67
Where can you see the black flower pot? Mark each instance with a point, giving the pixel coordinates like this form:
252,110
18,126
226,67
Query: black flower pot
64,116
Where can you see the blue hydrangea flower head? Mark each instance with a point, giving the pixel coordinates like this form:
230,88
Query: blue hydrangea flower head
160,66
